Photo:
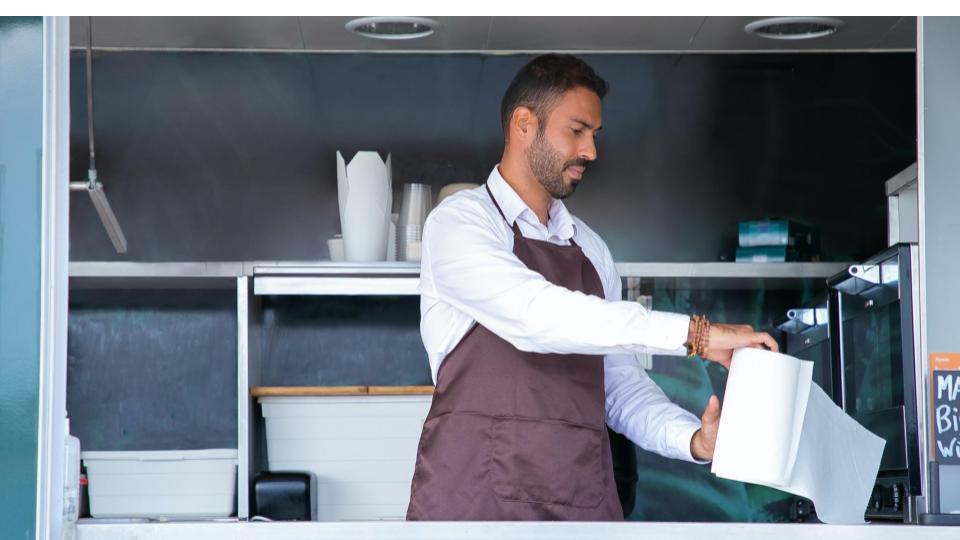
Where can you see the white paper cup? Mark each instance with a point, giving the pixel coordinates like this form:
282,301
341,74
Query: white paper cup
335,247
413,251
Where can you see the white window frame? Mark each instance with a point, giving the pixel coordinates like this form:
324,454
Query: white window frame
54,267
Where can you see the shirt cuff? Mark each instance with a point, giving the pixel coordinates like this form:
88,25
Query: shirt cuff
681,434
672,328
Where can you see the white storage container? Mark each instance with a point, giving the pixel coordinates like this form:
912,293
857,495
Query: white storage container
162,484
362,449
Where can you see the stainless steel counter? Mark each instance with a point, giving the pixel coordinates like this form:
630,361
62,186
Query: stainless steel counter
504,531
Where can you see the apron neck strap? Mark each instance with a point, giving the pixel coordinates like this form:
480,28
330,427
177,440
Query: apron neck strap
516,229
514,226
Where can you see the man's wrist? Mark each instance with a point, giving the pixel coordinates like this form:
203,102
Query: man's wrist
697,451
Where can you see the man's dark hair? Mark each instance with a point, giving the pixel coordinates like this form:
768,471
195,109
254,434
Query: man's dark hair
541,83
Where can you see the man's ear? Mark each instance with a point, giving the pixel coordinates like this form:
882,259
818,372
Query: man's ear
523,124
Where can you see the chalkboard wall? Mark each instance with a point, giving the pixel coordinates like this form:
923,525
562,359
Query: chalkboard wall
152,369
342,341
231,156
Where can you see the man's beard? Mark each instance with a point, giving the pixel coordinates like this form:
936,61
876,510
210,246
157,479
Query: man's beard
548,166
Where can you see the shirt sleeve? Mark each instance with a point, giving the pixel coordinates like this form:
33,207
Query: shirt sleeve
635,406
472,271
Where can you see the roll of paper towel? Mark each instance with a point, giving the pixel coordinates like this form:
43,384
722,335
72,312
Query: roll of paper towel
779,429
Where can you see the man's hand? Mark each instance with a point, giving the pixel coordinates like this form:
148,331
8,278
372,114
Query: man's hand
705,439
724,338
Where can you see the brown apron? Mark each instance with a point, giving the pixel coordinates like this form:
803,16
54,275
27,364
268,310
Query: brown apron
514,435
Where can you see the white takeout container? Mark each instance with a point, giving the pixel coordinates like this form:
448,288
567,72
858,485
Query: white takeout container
162,484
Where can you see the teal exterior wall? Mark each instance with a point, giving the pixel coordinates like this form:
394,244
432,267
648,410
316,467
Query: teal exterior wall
21,116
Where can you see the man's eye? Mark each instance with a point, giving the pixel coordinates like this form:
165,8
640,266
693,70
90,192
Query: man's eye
577,131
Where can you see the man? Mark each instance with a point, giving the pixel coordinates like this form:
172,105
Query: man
531,348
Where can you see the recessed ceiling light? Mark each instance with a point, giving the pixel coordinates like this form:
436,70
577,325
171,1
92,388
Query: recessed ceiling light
794,27
392,27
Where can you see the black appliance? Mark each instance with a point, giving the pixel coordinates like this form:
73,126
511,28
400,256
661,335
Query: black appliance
285,496
875,313
807,331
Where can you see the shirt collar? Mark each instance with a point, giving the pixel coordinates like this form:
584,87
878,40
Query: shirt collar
560,222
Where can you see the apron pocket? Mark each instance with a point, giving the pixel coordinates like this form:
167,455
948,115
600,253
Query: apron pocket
546,461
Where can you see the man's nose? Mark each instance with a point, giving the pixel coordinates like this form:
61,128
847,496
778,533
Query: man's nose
589,150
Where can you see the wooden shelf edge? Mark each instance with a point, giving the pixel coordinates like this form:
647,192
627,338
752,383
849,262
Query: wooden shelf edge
400,390
269,391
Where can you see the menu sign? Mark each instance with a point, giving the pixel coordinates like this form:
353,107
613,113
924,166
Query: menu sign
945,407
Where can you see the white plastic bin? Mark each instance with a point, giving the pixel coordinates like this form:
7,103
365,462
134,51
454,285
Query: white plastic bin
162,484
362,449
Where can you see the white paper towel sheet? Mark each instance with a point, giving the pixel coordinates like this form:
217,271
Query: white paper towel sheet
779,429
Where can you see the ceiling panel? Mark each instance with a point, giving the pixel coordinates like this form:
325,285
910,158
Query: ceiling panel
454,33
593,33
195,32
902,36
78,31
491,34
727,34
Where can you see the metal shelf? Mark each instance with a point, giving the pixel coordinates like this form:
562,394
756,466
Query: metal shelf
403,278
327,268
398,278
336,285
326,278
149,275
731,270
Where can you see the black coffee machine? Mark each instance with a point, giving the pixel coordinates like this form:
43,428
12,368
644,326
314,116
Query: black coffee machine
807,337
874,312
807,331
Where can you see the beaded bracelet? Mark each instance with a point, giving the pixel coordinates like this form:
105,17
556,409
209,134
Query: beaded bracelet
704,343
692,345
701,336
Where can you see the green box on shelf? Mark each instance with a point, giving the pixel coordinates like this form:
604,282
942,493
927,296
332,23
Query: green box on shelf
772,254
778,232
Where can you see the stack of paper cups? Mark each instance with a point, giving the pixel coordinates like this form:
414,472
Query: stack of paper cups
392,239
416,204
365,195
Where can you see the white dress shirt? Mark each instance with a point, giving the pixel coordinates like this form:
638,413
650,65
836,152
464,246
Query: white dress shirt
469,274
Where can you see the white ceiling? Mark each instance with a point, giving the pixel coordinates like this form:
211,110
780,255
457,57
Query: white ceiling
485,34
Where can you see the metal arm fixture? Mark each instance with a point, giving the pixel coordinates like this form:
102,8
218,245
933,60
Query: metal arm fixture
92,186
